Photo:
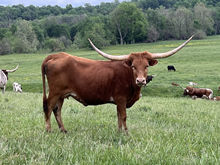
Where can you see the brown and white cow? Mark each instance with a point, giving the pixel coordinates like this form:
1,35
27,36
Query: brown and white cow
94,82
217,98
4,78
198,92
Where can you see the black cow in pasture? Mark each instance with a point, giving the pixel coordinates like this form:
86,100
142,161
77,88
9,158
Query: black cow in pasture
171,67
150,78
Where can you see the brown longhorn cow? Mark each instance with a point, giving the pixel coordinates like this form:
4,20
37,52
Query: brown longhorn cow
94,82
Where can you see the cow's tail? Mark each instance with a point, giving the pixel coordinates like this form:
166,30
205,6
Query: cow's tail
178,85
44,87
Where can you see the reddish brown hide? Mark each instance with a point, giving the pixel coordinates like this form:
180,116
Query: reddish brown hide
92,82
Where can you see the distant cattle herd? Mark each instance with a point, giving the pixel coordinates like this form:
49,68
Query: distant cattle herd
92,82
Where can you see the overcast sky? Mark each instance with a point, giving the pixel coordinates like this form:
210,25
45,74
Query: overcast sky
61,3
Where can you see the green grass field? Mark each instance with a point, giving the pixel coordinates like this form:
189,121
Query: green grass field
164,127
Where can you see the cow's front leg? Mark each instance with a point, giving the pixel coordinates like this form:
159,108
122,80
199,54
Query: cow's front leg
122,116
194,97
3,90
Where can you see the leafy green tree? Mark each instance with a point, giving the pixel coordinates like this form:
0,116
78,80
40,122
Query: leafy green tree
80,10
68,8
66,42
203,15
78,41
32,12
49,21
166,23
59,30
145,4
26,15
88,7
153,34
72,11
157,23
13,28
39,31
54,44
8,16
20,9
183,23
97,35
129,23
43,11
167,3
216,18
93,28
55,10
107,8
73,31
2,32
5,46
26,40
10,37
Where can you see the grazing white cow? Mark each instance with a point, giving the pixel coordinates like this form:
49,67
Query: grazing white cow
192,83
17,87
4,78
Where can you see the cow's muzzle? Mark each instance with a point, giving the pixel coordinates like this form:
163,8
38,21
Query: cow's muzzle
141,81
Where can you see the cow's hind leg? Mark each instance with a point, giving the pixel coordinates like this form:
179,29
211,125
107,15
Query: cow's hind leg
57,114
48,108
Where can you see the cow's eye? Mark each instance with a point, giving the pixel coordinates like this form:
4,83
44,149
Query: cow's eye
133,67
146,67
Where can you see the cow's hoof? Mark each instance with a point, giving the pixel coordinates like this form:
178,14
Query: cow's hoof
65,131
50,131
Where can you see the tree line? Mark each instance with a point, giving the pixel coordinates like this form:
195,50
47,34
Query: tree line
52,28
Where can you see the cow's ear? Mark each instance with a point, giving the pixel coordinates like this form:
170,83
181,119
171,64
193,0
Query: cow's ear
127,63
153,62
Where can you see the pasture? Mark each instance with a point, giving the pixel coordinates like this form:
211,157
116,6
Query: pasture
164,127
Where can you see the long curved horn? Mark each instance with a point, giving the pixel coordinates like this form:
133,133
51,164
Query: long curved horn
174,84
110,57
9,71
170,53
183,87
154,75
